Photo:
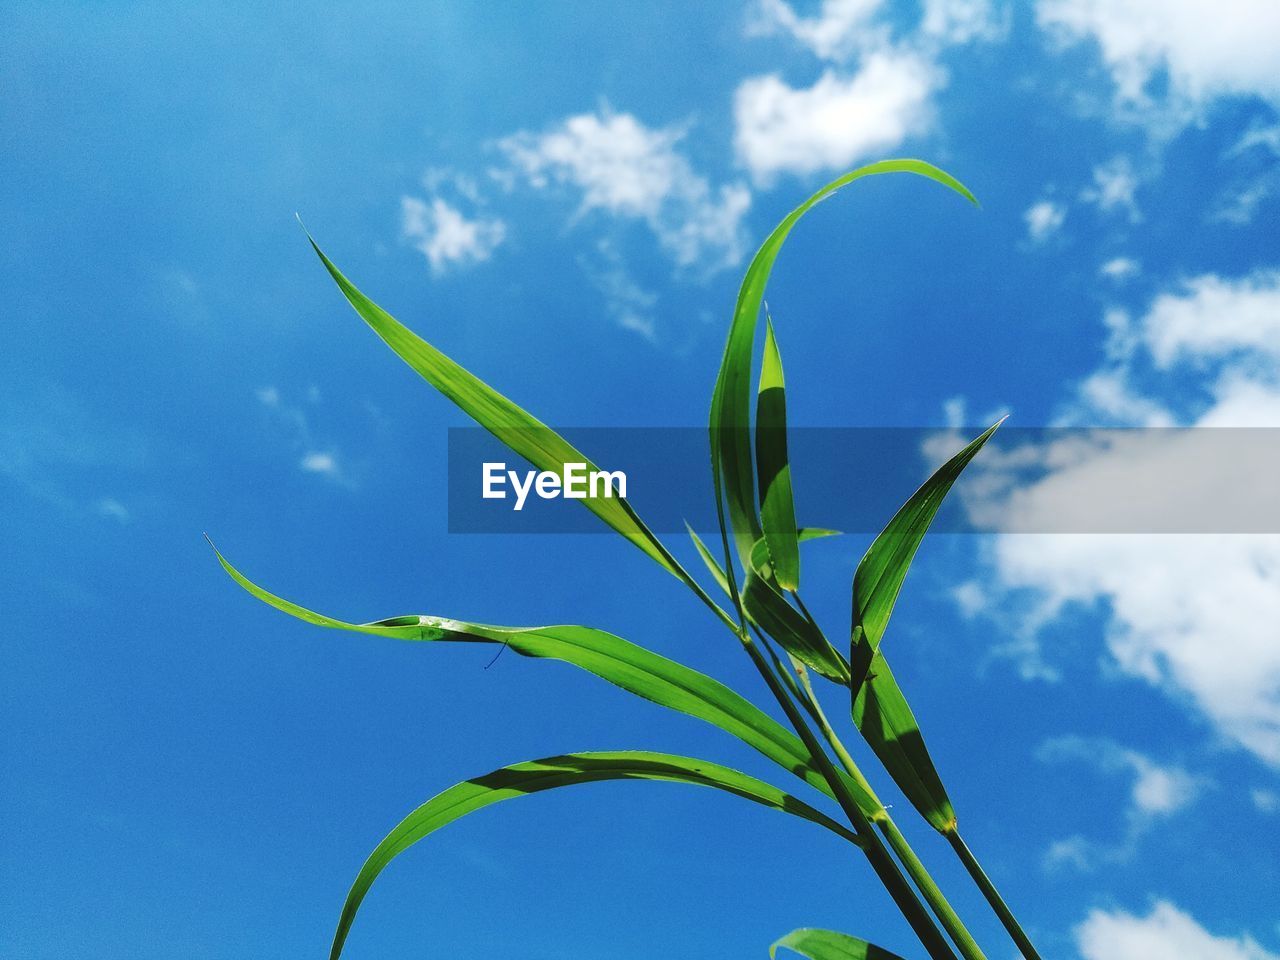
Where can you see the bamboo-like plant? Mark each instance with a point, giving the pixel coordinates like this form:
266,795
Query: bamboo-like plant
759,575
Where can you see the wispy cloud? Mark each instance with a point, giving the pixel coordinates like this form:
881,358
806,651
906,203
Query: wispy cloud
314,457
615,164
1157,792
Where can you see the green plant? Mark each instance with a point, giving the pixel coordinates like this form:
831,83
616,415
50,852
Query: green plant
760,578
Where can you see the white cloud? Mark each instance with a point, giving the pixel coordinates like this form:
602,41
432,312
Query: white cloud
838,30
445,236
961,21
1044,219
837,121
626,169
1165,932
1193,615
1204,53
1120,269
1211,317
1114,187
1157,792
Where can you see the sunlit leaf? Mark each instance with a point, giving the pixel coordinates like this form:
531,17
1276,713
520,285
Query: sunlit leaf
777,506
830,945
795,633
523,433
884,567
534,776
881,714
770,611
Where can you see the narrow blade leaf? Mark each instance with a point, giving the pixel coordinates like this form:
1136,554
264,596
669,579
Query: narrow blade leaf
523,433
731,461
880,709
885,720
796,634
777,505
829,945
534,776
618,661
884,567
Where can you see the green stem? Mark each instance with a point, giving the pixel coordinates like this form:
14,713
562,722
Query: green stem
942,909
925,929
924,882
992,894
883,864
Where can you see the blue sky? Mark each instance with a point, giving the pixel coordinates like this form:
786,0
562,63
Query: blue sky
562,198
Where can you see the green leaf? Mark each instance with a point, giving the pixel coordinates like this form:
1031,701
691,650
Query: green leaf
829,945
519,430
882,715
795,633
534,776
620,662
760,550
880,709
884,567
771,612
777,506
731,461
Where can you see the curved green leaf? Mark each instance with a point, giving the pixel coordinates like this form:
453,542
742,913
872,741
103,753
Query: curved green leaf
535,776
518,429
777,504
731,462
620,662
829,945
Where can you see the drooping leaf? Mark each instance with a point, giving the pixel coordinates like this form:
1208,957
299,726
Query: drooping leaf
523,433
731,460
884,566
760,550
777,506
534,776
882,715
829,945
620,662
795,633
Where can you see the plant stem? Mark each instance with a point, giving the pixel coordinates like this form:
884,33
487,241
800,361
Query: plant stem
883,864
992,894
924,882
945,913
925,929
